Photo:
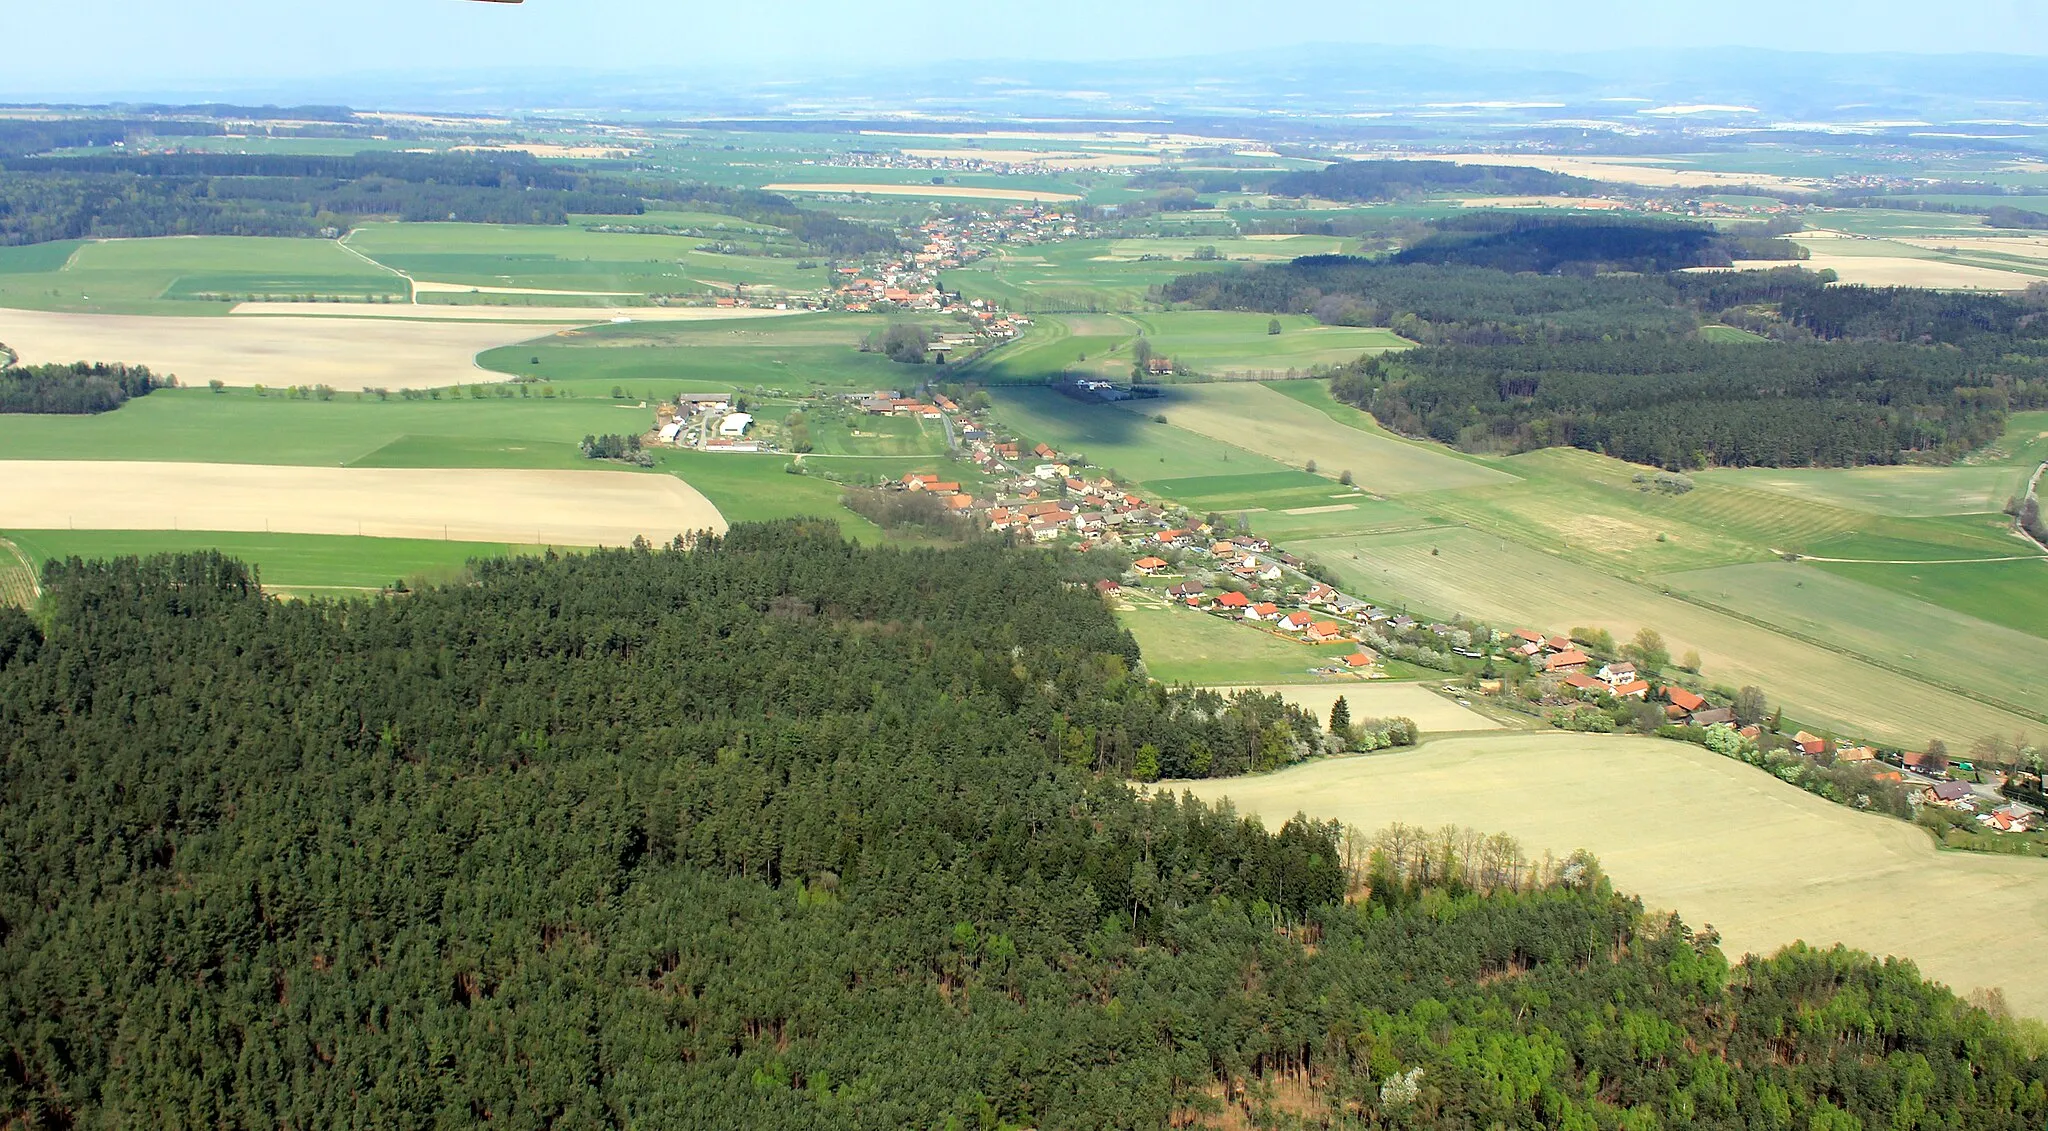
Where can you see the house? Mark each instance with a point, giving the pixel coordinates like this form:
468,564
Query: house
1635,689
1159,366
1233,600
1569,660
1855,754
1360,660
1297,621
1580,681
1045,530
1529,637
1950,794
1617,674
1324,631
1044,451
1271,573
1714,717
1149,566
1682,702
1185,589
1926,764
1107,587
1809,744
1558,644
1319,594
912,481
960,503
1264,610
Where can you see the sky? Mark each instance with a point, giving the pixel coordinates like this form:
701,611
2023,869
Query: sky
199,45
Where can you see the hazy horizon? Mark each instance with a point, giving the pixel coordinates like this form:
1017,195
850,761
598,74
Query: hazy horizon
235,45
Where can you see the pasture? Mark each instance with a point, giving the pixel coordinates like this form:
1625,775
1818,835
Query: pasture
935,192
298,563
1096,345
1716,840
1074,276
184,275
2013,595
1255,417
1507,584
346,354
569,508
1428,710
798,354
1911,492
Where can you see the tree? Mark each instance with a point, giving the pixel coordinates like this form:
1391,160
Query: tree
1346,479
1340,717
1148,763
1751,708
1691,662
1937,754
1648,650
217,385
1273,327
1311,467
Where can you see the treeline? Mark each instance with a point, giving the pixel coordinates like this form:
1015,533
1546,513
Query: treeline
75,389
1695,404
57,198
783,832
1404,180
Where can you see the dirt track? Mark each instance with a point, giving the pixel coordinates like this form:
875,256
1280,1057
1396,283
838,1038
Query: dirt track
567,508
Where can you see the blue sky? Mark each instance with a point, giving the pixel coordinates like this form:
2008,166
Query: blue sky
200,44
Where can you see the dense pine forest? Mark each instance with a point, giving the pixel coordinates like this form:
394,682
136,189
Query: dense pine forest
78,388
1528,348
783,832
1403,180
123,196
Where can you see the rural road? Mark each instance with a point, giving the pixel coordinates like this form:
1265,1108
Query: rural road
1936,561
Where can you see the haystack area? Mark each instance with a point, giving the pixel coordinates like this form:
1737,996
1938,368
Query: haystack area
1718,841
565,508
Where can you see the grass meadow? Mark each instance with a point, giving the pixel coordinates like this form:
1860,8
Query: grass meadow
573,259
1186,647
653,361
1131,443
1223,343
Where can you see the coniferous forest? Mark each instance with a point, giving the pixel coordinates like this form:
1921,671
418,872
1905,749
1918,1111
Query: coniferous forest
777,831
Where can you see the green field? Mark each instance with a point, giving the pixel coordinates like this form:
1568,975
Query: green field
1903,491
2012,595
1253,416
1509,585
1992,658
1222,343
573,259
1079,275
1097,345
295,562
652,361
1181,646
175,275
1130,443
237,426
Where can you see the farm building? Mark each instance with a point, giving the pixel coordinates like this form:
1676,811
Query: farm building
735,425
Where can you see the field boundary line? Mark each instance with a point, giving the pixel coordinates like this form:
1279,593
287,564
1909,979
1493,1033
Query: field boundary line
1905,673
1926,562
412,289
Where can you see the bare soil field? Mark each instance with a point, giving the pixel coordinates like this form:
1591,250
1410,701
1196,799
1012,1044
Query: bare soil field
1428,710
1716,840
963,192
423,286
1903,271
562,315
1628,171
346,354
565,508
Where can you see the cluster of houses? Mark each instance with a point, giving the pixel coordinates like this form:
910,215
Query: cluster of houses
909,280
707,422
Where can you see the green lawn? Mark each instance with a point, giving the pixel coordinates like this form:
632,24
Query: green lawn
292,561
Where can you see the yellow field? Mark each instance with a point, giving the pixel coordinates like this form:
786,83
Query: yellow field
568,508
1509,585
1628,171
277,352
1427,709
1902,271
563,315
1716,840
1258,419
963,192
1048,158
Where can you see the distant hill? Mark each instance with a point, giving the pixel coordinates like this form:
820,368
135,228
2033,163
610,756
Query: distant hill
1404,180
